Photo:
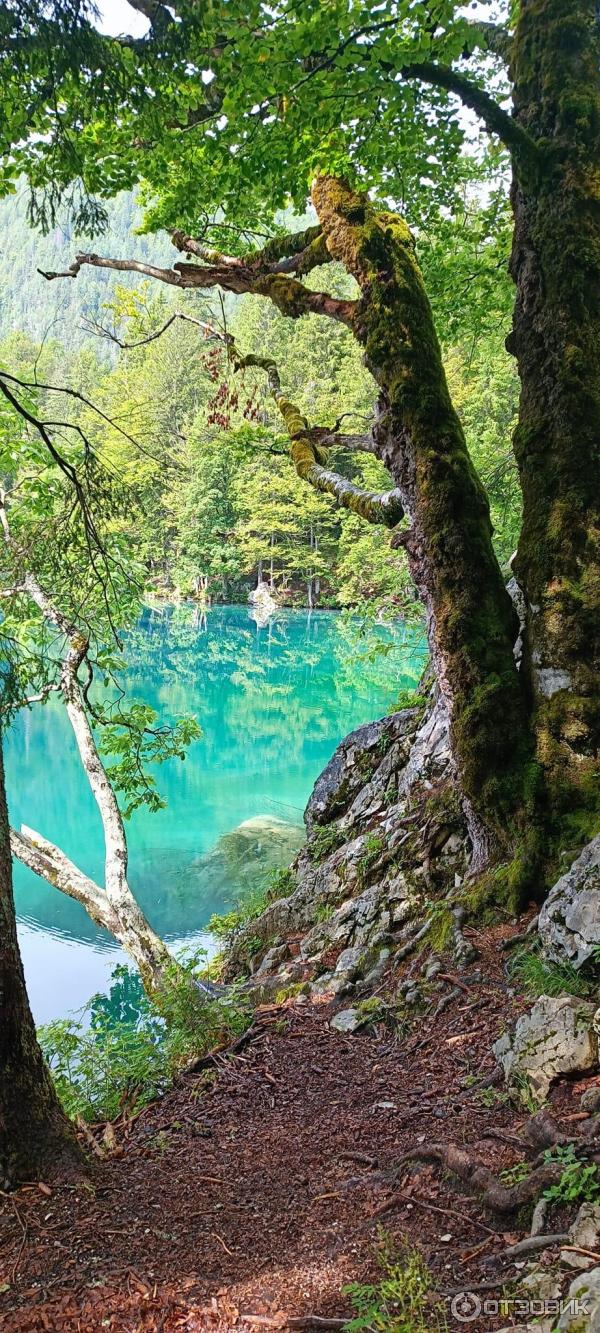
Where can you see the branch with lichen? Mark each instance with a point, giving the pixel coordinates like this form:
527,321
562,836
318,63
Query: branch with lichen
232,274
309,457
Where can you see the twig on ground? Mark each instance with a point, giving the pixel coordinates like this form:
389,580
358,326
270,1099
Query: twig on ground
447,1212
528,1245
221,1242
23,1226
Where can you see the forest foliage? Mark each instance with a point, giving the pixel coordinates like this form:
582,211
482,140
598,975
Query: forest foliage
209,500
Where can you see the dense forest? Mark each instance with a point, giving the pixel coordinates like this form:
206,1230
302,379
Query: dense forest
211,497
300,331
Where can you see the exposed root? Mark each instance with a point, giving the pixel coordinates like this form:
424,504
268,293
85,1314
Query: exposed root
497,1197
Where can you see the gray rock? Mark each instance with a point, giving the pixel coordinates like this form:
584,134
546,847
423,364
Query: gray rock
271,960
322,985
349,963
542,1284
569,922
348,1020
540,1213
584,1232
556,1037
590,1100
344,776
374,976
582,1314
315,942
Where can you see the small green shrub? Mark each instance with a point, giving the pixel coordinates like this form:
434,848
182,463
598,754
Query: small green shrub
373,847
401,1302
121,1051
579,1182
325,841
409,699
99,1072
538,977
513,1175
491,1097
278,884
323,912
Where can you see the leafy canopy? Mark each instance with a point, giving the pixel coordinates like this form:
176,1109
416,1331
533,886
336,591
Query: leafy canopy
234,91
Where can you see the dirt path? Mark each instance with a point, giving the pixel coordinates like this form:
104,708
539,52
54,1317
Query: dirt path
242,1202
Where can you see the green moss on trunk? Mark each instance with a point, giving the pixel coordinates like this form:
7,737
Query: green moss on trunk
556,340
471,621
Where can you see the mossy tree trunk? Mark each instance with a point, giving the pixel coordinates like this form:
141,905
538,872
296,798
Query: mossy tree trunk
470,618
556,341
36,1139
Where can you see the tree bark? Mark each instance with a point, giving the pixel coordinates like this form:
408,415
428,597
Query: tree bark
36,1138
471,623
556,340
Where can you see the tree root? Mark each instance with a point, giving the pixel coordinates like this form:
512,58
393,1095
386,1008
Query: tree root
497,1197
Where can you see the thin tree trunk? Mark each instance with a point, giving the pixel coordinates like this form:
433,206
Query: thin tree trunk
124,916
556,340
36,1138
115,907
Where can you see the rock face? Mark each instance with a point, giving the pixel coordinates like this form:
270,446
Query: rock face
361,879
569,923
556,1037
346,773
582,1313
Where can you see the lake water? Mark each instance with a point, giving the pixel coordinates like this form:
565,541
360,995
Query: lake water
273,702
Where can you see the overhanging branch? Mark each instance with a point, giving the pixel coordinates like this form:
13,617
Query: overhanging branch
495,119
309,458
291,297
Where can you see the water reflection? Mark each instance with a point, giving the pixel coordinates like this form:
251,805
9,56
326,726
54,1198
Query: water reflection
272,701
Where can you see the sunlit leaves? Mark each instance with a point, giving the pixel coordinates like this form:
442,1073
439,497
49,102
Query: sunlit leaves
296,89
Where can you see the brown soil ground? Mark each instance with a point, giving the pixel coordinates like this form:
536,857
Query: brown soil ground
249,1200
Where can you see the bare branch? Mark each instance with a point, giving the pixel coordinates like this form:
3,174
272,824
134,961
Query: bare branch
232,275
151,337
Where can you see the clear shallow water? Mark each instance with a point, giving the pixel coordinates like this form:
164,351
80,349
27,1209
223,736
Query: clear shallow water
273,703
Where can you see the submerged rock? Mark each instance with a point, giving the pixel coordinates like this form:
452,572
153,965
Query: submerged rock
556,1037
569,921
242,858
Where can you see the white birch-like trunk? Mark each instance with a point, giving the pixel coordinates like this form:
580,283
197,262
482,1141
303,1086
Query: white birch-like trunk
114,906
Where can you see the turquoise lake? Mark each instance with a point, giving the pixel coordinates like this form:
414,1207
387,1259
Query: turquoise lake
273,702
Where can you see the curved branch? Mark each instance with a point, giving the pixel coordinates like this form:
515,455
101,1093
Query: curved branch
47,861
497,121
309,457
101,332
294,252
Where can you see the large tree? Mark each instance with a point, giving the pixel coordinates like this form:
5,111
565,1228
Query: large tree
227,112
